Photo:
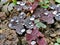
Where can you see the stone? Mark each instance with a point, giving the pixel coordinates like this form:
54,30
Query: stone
29,31
57,17
33,42
53,35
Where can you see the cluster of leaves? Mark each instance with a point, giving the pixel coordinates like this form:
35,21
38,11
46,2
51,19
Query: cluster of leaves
36,36
44,15
31,3
18,23
21,22
6,5
48,18
58,1
58,41
56,11
7,1
39,24
44,4
14,1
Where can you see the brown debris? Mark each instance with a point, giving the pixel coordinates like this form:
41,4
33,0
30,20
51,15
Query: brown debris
2,15
8,37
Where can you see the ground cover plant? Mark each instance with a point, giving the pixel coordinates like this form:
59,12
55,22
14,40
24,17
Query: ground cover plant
29,22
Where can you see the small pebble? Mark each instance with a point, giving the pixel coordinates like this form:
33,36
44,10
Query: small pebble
30,22
55,12
18,9
32,18
18,2
1,31
33,43
23,30
46,13
53,35
2,36
58,32
26,7
52,6
17,21
10,25
57,17
22,13
12,20
22,3
57,25
29,31
32,25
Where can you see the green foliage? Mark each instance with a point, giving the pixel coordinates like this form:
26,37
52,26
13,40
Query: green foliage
36,21
46,1
44,4
58,40
31,0
58,1
56,44
10,7
39,24
14,2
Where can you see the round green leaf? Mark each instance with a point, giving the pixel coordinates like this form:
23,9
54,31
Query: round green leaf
56,44
38,25
58,1
14,2
45,6
46,1
36,21
58,40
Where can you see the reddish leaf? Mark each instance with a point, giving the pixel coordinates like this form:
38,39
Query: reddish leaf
48,18
33,36
41,41
34,5
39,13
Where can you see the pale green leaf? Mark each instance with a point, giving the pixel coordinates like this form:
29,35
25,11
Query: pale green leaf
46,1
39,24
45,6
10,7
58,40
14,2
4,8
56,44
58,1
36,21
